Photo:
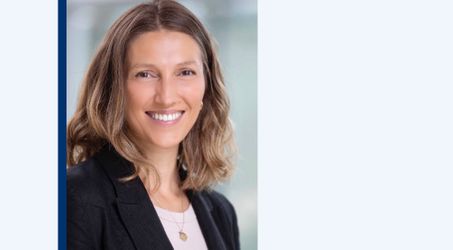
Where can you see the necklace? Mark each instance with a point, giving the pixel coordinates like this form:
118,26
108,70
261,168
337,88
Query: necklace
182,235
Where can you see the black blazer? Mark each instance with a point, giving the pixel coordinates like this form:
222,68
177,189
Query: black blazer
104,213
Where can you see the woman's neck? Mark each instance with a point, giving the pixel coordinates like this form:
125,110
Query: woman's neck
169,194
164,162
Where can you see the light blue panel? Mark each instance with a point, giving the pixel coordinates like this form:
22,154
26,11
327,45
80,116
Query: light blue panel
355,125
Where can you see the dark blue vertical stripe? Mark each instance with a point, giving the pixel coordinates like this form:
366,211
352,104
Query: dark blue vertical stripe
61,124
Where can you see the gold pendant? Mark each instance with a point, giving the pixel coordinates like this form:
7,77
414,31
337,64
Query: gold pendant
182,236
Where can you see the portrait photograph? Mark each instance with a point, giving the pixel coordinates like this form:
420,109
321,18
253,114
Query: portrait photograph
161,136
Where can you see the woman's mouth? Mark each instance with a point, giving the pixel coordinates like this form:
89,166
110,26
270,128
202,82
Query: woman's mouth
165,116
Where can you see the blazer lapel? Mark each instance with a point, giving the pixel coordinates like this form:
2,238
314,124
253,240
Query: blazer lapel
143,225
203,210
134,206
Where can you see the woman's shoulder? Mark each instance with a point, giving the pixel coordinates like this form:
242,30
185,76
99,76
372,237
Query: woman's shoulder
219,203
88,183
82,171
217,198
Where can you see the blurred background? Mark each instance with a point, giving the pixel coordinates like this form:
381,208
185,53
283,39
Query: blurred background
233,24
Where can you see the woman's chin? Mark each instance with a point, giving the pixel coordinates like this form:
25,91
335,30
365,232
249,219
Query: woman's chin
165,143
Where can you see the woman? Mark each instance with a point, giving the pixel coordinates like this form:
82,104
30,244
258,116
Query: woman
150,136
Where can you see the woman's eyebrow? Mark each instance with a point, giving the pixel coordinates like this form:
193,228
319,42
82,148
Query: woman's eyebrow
187,63
150,65
143,65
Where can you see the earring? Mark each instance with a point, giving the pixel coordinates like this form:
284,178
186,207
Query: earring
201,106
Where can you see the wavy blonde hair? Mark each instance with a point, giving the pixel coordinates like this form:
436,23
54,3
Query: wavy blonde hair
208,149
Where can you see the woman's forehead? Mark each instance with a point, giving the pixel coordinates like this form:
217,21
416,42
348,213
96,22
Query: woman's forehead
164,48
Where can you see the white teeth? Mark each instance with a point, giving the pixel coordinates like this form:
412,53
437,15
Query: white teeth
166,117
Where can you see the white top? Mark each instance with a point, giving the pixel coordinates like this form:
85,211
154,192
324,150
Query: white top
173,223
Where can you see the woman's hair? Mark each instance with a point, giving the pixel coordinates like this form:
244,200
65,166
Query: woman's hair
100,119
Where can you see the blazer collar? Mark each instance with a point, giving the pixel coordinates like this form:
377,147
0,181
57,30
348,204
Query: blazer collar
138,213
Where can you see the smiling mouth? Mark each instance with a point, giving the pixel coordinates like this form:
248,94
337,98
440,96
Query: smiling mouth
164,117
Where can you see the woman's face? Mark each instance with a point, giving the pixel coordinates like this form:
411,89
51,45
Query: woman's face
165,87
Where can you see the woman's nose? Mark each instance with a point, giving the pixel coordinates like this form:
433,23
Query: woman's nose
166,91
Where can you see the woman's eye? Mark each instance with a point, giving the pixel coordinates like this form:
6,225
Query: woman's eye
187,72
145,74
